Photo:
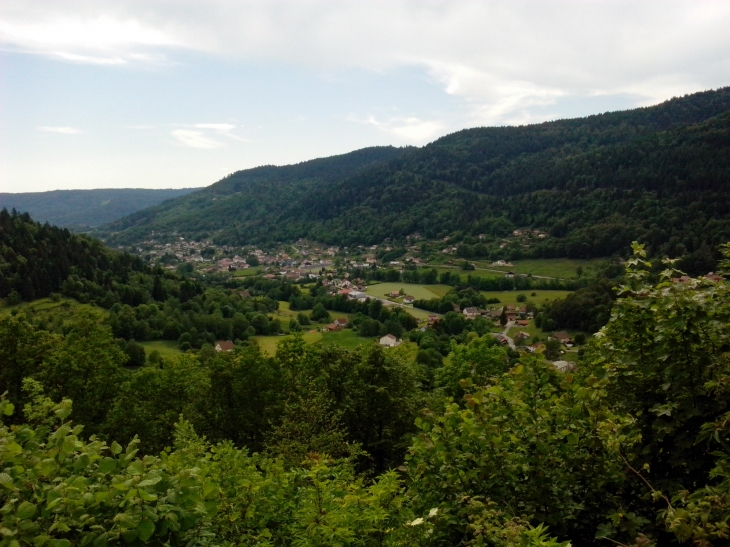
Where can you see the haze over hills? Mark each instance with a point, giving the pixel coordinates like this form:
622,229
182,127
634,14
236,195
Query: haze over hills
81,209
659,174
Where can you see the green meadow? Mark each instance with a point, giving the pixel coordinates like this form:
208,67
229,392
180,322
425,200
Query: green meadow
535,296
256,270
563,268
285,313
418,291
346,338
168,349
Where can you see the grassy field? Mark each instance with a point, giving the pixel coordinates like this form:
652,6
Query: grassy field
268,343
510,297
55,315
420,292
564,268
168,349
346,338
425,292
285,313
256,270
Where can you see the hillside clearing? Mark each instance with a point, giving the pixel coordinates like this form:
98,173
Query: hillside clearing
168,349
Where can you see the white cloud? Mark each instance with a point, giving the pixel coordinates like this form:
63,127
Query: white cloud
76,34
216,126
225,129
194,139
412,130
507,59
60,129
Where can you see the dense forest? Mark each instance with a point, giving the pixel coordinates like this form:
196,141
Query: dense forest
658,175
82,209
37,259
322,446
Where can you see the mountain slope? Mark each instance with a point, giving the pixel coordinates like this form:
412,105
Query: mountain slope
36,259
79,209
249,199
660,174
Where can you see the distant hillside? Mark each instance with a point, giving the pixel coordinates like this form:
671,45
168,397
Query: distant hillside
247,203
659,174
37,259
79,209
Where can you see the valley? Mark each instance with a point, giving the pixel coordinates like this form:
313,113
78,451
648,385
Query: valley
510,337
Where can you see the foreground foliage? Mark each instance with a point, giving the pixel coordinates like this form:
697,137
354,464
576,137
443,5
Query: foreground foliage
317,446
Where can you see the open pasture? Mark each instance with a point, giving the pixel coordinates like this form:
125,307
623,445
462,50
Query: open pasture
539,298
563,268
418,291
168,349
268,343
285,313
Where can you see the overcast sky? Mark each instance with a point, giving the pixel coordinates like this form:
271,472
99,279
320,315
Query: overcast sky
178,93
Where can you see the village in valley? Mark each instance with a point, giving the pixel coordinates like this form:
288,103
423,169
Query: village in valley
349,272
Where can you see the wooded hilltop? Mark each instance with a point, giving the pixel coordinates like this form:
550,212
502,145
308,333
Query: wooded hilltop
658,175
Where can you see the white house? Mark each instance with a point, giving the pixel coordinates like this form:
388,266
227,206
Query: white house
388,341
471,313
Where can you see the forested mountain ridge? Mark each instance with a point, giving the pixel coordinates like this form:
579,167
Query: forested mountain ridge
81,209
251,197
658,174
37,259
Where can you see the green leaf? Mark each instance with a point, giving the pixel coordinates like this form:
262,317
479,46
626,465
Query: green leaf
150,482
48,466
146,496
146,528
81,462
107,465
9,409
126,520
13,448
116,448
25,510
64,410
6,480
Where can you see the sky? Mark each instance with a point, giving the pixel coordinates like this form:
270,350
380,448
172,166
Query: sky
180,93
